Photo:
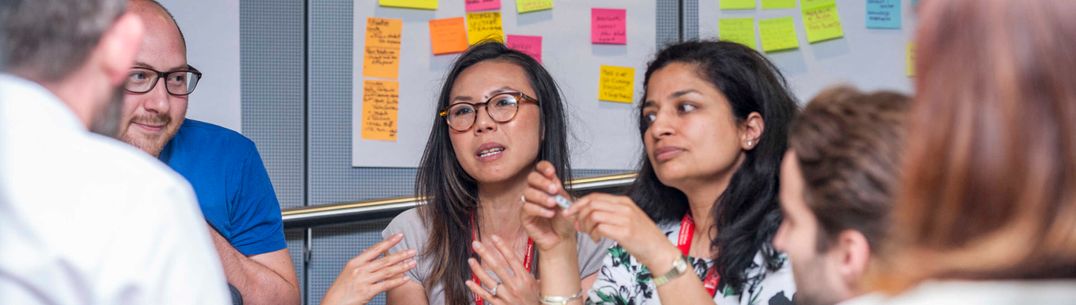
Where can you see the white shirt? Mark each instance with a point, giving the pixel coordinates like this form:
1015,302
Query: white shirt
85,219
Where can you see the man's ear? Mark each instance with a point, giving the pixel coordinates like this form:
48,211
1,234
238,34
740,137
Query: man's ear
854,255
751,130
118,47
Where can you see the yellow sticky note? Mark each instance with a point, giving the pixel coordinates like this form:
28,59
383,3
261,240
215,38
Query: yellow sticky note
481,26
419,4
382,50
736,4
738,30
524,6
778,4
909,60
380,107
616,84
778,34
822,22
448,35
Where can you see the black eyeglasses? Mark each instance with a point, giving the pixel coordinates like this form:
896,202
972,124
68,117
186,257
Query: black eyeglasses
501,107
179,83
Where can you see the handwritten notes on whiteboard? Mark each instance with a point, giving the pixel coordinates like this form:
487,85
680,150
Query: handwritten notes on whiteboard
738,30
418,4
616,84
883,14
448,35
821,21
527,6
530,45
382,51
608,26
778,34
380,109
482,5
482,26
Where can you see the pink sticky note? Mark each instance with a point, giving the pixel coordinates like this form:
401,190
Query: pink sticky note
607,26
482,5
530,45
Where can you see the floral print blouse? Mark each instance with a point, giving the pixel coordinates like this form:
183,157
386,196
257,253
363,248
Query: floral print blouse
622,280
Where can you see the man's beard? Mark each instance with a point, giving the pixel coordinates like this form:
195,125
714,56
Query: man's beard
108,121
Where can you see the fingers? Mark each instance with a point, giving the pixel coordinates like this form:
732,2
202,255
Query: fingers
377,249
391,266
538,197
537,211
493,259
480,273
389,284
478,290
514,263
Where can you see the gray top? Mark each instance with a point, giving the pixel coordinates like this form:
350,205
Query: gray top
410,223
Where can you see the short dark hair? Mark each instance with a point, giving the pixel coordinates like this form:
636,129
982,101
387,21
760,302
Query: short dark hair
45,40
847,145
746,215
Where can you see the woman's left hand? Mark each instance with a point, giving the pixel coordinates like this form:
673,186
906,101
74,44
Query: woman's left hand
517,285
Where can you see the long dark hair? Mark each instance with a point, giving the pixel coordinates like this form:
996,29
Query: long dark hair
746,215
451,194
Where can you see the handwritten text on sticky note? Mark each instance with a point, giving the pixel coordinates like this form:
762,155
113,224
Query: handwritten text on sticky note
616,84
482,5
822,22
448,35
883,14
608,26
530,45
526,6
382,49
380,109
482,26
778,34
738,30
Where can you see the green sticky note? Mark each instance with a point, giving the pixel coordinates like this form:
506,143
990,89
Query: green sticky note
524,6
816,3
419,4
778,4
778,34
822,22
736,4
738,30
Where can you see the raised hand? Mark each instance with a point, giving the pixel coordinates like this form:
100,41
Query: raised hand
370,273
516,285
540,209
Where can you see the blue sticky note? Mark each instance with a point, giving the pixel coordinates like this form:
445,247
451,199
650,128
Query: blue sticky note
883,14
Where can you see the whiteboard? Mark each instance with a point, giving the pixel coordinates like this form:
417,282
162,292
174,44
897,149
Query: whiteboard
604,134
871,59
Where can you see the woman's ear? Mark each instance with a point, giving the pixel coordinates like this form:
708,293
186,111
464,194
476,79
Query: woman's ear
751,131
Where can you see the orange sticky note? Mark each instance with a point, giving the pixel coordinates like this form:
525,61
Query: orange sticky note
382,51
482,26
909,60
380,109
448,35
530,45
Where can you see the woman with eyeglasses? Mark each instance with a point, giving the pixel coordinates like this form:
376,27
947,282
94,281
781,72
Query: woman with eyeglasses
499,112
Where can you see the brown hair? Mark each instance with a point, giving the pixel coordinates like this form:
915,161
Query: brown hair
848,145
989,190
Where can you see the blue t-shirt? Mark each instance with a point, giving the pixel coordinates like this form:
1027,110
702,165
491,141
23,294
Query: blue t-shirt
231,184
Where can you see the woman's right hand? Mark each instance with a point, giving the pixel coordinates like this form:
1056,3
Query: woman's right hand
370,273
540,210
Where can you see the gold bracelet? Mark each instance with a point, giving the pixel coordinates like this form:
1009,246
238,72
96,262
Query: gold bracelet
561,300
679,267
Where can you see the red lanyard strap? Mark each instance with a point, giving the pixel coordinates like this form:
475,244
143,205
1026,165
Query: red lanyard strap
527,258
684,240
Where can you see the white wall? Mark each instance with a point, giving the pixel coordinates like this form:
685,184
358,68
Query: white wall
212,31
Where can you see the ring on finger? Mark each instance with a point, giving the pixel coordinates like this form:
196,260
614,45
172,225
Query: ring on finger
493,292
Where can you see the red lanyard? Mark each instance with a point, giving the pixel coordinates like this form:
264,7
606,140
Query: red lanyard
527,258
683,241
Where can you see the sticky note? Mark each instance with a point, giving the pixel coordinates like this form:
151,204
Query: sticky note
482,26
530,45
526,6
909,60
822,22
382,50
883,14
448,35
778,4
380,107
482,5
608,26
736,4
616,84
419,4
738,30
778,34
